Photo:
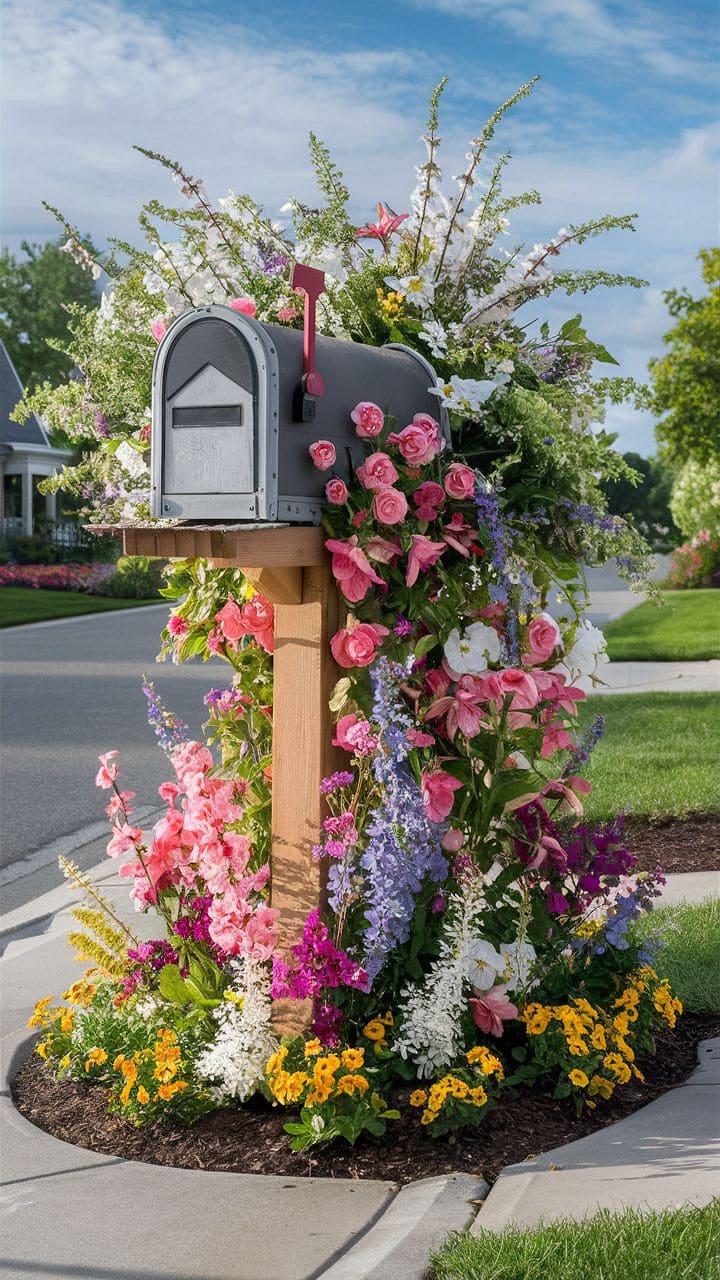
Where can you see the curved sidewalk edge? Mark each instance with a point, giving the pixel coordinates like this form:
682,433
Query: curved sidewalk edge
665,1155
659,677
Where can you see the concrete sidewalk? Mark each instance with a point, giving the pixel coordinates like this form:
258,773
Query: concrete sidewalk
660,677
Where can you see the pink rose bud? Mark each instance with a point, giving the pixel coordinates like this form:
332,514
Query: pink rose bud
459,481
453,840
389,505
158,329
245,305
323,454
336,492
369,419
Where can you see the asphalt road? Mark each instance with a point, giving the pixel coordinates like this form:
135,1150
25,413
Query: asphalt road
71,690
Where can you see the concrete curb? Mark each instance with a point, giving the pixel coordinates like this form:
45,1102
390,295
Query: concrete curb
661,1156
414,1225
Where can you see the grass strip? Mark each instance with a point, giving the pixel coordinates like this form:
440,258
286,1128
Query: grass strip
685,627
690,952
29,604
676,1245
658,757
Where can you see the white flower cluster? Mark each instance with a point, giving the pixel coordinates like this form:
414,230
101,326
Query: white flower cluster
582,662
432,1014
235,1061
468,395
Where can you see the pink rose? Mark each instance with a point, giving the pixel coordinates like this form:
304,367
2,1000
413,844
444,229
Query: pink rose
459,481
258,614
423,553
543,637
336,492
377,471
369,419
323,454
522,687
492,1009
419,442
230,620
351,568
438,790
389,505
245,305
358,647
428,499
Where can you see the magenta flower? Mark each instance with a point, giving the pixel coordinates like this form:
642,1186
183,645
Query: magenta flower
462,708
351,568
491,1010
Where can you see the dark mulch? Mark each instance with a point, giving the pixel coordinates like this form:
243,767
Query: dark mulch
251,1139
691,843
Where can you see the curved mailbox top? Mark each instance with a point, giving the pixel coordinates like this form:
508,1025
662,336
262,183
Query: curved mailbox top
231,427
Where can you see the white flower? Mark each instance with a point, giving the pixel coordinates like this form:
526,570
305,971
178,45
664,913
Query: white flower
416,290
436,337
468,395
588,653
235,1060
483,964
469,653
317,1124
131,461
519,959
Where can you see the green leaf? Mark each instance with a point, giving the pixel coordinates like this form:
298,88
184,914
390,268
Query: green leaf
173,987
424,645
340,694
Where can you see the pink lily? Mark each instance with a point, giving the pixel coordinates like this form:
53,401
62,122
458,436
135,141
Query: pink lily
460,535
387,222
462,708
423,553
351,568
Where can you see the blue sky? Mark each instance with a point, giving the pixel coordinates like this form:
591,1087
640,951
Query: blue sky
623,119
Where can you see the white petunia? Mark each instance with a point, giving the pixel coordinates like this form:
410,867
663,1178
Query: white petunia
519,958
584,659
483,964
469,653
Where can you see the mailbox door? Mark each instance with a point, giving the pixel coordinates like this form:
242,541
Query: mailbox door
215,419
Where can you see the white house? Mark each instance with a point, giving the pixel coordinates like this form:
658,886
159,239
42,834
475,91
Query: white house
26,458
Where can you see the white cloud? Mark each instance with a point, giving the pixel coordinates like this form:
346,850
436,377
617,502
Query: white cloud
583,30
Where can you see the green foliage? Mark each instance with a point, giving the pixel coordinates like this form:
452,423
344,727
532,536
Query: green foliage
135,577
686,380
657,756
37,293
676,628
635,1245
695,501
646,499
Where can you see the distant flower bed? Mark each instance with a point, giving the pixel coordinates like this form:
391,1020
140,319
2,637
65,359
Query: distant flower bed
56,577
696,563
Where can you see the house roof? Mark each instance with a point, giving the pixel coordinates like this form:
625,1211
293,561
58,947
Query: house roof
11,390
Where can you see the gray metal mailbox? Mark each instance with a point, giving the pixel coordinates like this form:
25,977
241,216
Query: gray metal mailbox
234,415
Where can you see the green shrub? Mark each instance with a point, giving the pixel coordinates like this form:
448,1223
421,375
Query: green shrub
695,501
135,577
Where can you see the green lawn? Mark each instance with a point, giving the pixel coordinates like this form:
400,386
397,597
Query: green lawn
690,954
684,628
659,754
677,1245
30,604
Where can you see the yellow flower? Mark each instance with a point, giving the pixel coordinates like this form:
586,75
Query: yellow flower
41,1014
597,1038
478,1096
67,1020
578,1078
489,1064
599,1084
536,1018
233,997
80,992
387,1018
95,1058
320,1094
418,1098
294,1085
620,1069
274,1063
142,1095
353,1058
42,1049
427,1117
374,1030
65,1061
168,1091
326,1067
349,1084
117,1064
311,1048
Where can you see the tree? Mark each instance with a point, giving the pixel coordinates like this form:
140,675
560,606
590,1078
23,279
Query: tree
648,502
35,292
686,381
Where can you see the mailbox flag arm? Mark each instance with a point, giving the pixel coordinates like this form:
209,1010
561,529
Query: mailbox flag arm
311,282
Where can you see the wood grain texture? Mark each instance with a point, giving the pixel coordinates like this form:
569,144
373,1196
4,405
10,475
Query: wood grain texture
291,546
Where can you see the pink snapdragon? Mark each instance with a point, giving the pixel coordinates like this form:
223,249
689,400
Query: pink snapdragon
369,419
461,536
422,555
351,568
378,470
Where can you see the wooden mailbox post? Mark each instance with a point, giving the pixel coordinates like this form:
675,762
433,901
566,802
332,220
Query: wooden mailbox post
290,567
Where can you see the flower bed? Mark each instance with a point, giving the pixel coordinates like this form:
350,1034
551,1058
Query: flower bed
56,577
476,933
